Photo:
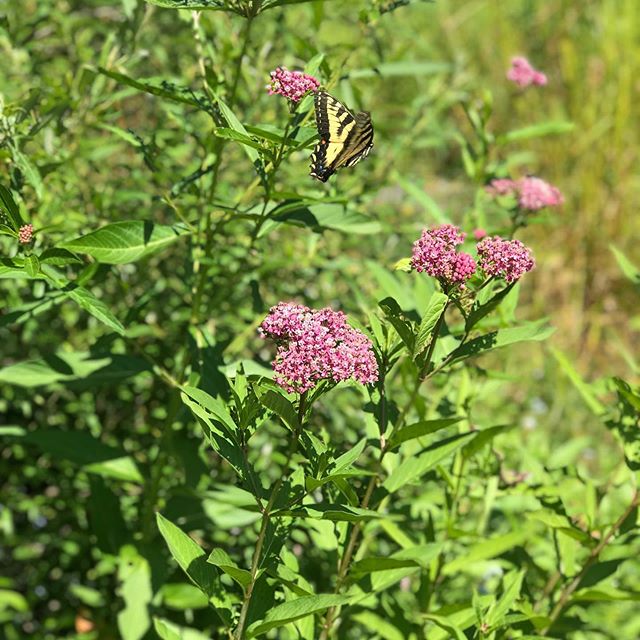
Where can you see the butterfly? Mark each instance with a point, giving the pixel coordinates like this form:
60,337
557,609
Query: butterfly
345,137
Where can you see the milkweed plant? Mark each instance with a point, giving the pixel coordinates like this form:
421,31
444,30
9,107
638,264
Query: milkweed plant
292,455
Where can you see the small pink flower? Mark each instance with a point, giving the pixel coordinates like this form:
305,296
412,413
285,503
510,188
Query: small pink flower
25,234
532,193
478,234
536,194
502,187
293,85
435,253
317,345
508,259
523,73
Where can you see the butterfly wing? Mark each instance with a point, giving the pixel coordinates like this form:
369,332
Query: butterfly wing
345,138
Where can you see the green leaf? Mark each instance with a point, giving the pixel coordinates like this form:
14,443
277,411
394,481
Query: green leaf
396,317
238,127
32,266
281,407
12,600
485,550
136,591
10,208
83,449
294,610
415,467
189,556
378,626
98,309
480,311
349,457
435,308
58,257
74,366
532,331
215,406
536,131
484,437
512,585
419,429
450,627
627,267
123,242
236,136
204,5
221,559
87,595
418,556
183,596
162,89
318,217
168,630
29,171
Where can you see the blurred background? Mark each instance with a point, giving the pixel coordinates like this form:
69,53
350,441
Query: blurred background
412,68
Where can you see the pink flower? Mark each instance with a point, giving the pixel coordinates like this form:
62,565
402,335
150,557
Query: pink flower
316,345
508,259
533,193
435,253
293,85
523,74
536,194
502,187
25,234
478,234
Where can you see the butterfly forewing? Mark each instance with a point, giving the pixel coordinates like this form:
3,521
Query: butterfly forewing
345,138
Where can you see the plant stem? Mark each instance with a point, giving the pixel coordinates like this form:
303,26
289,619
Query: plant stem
266,517
569,589
350,549
199,272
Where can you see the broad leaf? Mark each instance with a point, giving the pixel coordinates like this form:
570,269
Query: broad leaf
435,308
189,555
123,242
413,468
294,610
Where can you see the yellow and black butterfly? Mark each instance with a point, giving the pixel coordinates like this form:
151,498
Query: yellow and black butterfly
345,137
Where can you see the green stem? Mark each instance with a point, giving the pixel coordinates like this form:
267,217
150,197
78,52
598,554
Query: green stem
569,589
266,518
199,272
343,567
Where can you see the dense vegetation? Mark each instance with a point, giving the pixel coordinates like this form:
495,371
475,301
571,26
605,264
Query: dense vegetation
460,462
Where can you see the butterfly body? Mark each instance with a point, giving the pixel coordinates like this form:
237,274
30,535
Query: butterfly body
345,137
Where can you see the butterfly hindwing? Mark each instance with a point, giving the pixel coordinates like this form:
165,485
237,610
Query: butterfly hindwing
345,138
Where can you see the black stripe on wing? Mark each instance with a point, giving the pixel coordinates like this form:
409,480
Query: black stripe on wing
345,138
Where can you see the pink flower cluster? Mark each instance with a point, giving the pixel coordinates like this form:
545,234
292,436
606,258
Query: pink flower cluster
315,345
533,193
523,73
508,259
25,234
293,85
435,253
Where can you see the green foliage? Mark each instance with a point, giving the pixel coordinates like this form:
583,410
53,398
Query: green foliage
156,480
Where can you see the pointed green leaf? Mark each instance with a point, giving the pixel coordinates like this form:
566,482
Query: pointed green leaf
435,308
123,242
281,407
419,429
415,467
189,555
294,610
9,207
